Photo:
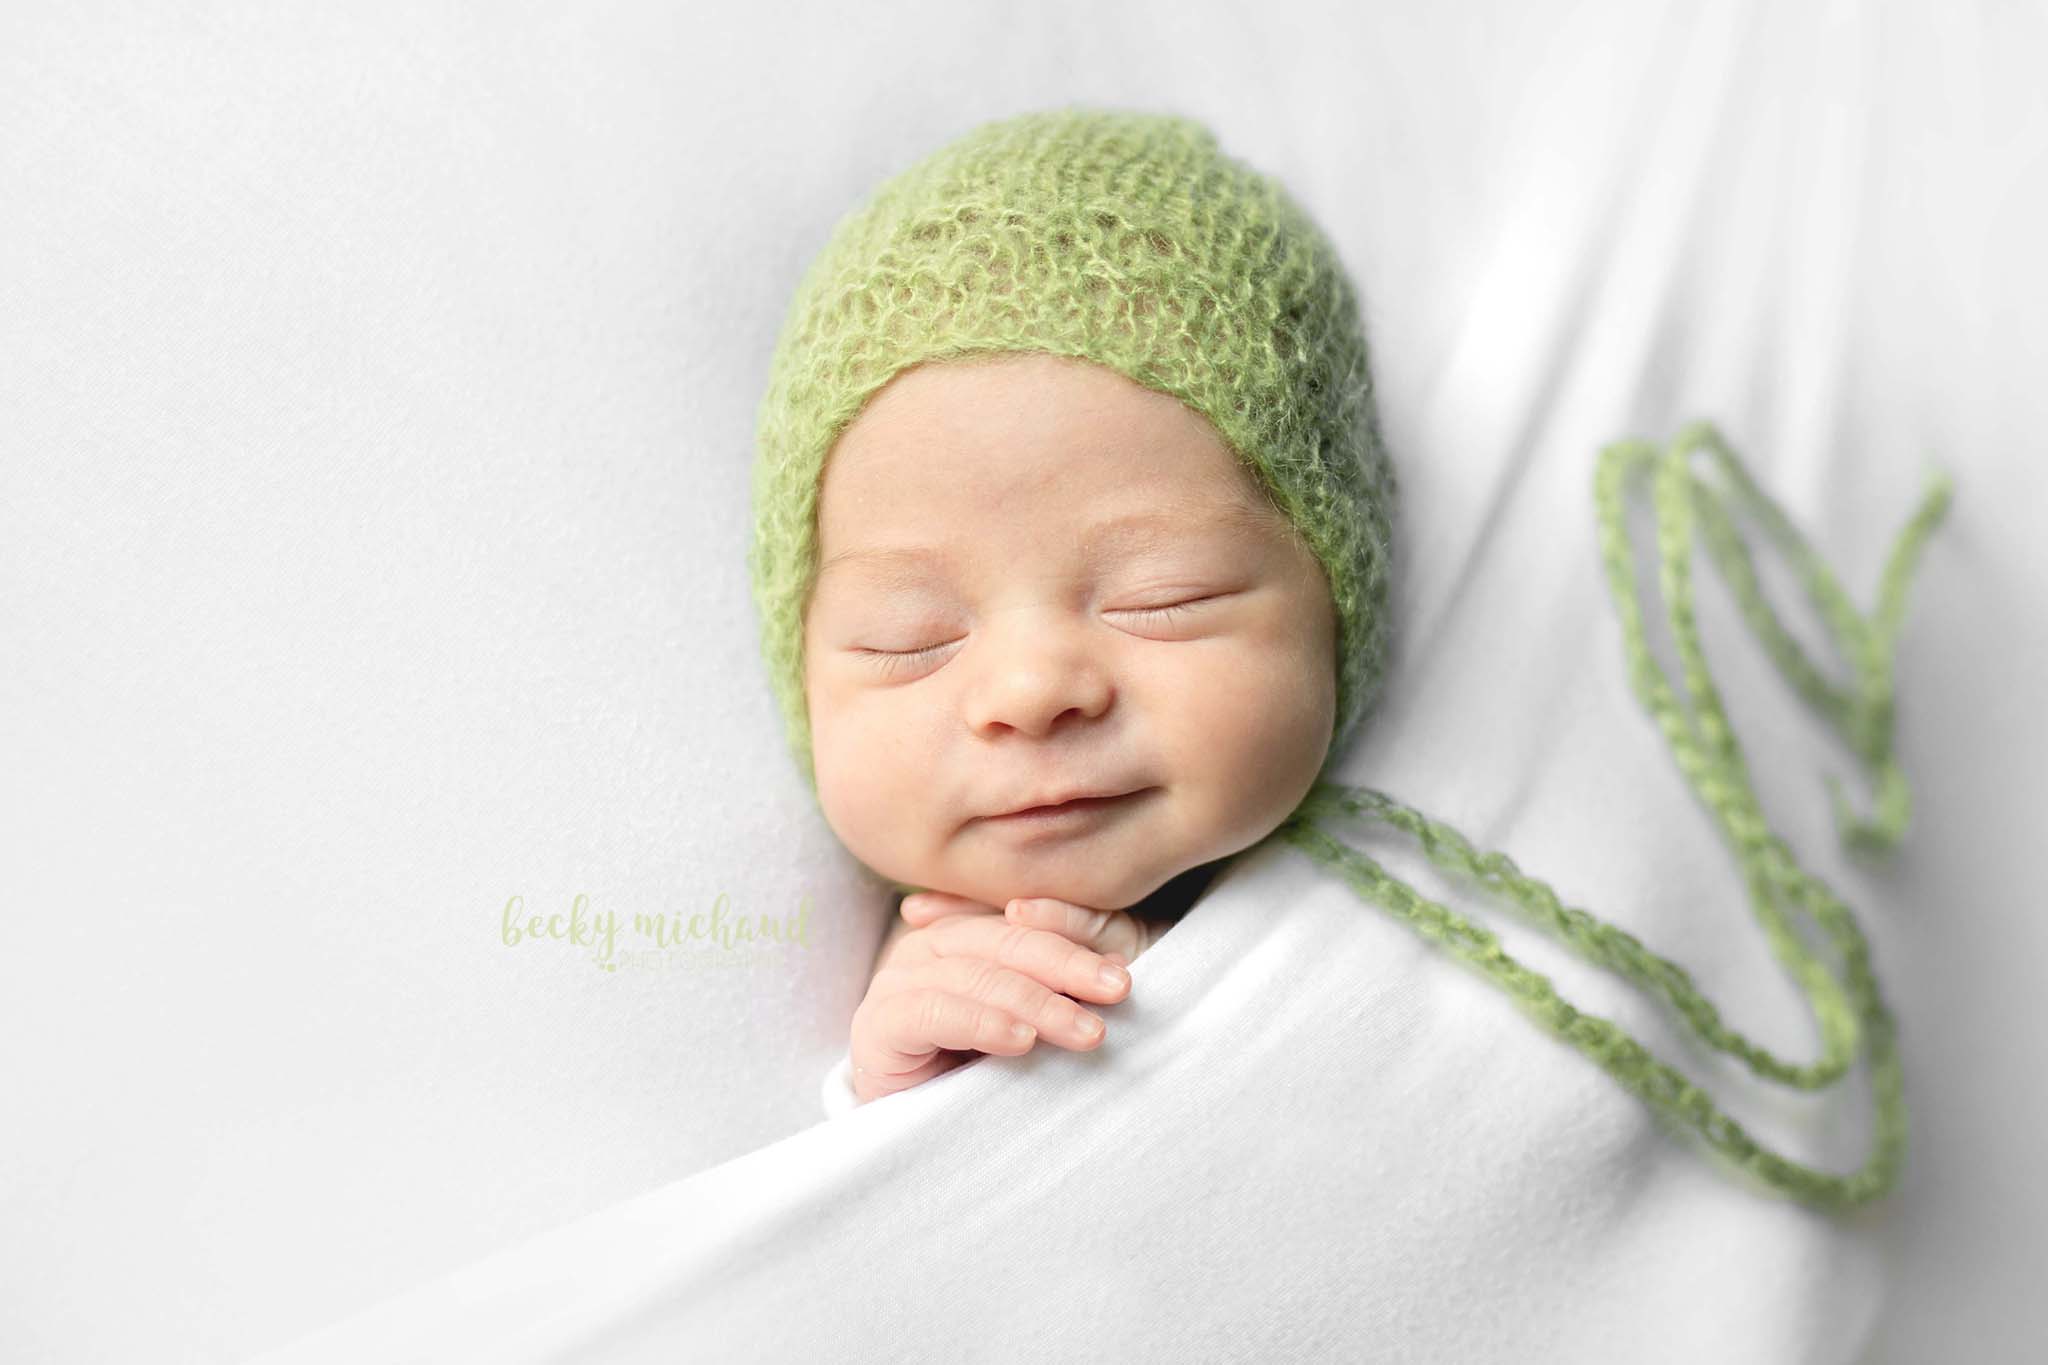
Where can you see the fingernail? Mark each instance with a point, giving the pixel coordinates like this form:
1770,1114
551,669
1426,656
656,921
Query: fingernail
1113,978
1088,1024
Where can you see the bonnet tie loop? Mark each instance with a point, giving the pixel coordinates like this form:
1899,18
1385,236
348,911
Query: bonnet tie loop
1850,1009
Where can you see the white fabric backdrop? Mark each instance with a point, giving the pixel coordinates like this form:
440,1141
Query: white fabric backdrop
375,391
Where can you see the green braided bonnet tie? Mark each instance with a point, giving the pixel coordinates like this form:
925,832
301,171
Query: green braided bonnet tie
1712,761
1131,241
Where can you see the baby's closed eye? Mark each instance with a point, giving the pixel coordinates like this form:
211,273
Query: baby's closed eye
1172,613
1151,611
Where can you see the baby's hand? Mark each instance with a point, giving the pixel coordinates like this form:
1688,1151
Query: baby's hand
1112,933
967,978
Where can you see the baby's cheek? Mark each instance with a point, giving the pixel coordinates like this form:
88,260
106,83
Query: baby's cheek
1234,711
1256,729
860,788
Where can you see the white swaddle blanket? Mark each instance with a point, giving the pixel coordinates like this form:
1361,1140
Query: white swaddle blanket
1126,1202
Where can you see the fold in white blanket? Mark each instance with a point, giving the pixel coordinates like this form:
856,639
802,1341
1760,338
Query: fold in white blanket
1124,1202
836,1095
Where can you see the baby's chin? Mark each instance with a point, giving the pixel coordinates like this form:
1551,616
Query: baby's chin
1094,888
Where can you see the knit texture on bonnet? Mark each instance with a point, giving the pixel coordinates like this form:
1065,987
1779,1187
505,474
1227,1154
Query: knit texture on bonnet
1123,238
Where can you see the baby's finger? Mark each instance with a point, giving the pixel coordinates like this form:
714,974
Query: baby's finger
927,906
982,982
1108,932
1053,960
903,1029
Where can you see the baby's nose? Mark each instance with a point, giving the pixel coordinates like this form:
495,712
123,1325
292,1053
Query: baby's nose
1031,676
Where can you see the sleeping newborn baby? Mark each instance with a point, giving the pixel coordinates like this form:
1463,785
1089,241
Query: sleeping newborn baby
1071,543
1071,538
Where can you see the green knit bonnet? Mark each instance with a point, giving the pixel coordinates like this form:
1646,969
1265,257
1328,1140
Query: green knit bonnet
1128,239
1123,238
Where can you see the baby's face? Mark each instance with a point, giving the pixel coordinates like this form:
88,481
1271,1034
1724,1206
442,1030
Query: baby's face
1037,579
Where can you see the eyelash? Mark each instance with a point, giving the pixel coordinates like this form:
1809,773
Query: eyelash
893,659
1160,615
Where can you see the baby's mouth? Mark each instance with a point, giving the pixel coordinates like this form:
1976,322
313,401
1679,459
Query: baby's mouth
1077,813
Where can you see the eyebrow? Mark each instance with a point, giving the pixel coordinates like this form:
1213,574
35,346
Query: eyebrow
1130,530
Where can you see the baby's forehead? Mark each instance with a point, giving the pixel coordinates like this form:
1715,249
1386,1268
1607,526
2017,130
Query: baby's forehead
955,461
949,436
